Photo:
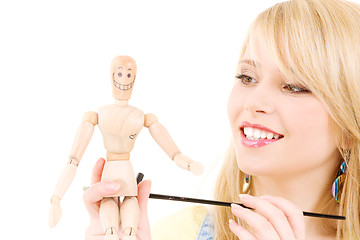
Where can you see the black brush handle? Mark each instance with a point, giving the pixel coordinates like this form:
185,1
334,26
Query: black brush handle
140,177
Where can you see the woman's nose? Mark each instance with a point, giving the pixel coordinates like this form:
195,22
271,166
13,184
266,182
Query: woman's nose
260,100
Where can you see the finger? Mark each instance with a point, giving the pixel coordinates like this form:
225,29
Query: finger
94,230
295,215
240,231
97,171
143,197
96,193
273,214
144,193
261,227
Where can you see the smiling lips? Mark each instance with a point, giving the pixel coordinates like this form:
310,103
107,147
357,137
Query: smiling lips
255,135
124,87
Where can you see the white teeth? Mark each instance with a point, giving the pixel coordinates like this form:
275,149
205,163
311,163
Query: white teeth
256,134
263,134
269,135
248,132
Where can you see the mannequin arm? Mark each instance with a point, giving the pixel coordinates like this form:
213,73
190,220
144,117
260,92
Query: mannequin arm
82,139
163,138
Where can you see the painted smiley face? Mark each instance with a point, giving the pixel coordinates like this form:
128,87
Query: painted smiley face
123,79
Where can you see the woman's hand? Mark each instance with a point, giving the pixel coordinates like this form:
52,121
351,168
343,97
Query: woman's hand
273,218
99,190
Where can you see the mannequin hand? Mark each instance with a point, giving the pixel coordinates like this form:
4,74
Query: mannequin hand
55,211
273,218
99,190
187,163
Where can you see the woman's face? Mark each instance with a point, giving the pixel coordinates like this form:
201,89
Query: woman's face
279,127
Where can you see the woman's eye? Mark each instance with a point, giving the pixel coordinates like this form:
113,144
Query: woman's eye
129,75
295,89
120,74
245,79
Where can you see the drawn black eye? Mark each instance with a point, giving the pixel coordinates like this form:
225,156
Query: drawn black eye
129,75
120,74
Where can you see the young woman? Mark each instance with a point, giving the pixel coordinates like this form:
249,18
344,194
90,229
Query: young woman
294,112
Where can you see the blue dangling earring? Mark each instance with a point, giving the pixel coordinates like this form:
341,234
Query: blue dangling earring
338,183
247,178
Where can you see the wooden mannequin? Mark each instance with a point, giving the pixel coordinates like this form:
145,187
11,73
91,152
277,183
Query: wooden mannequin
119,124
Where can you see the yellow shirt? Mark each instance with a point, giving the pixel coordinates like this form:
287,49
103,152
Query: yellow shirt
182,225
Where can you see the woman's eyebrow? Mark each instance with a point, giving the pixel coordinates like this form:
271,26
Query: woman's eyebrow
249,62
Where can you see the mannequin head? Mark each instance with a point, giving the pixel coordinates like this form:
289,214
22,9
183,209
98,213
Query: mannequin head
123,73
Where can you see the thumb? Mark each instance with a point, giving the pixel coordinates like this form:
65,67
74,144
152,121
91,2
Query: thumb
143,193
143,197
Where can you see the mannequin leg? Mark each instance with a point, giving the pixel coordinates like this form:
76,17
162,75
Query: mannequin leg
130,216
109,215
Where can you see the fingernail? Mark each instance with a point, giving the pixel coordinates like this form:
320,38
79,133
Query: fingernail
267,197
112,186
235,206
244,197
231,222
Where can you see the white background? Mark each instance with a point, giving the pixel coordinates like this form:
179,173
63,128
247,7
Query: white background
55,61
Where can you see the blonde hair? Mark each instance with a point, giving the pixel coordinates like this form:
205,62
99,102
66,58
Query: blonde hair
316,43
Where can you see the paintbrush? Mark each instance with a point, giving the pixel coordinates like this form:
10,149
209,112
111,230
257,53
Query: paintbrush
228,204
225,204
